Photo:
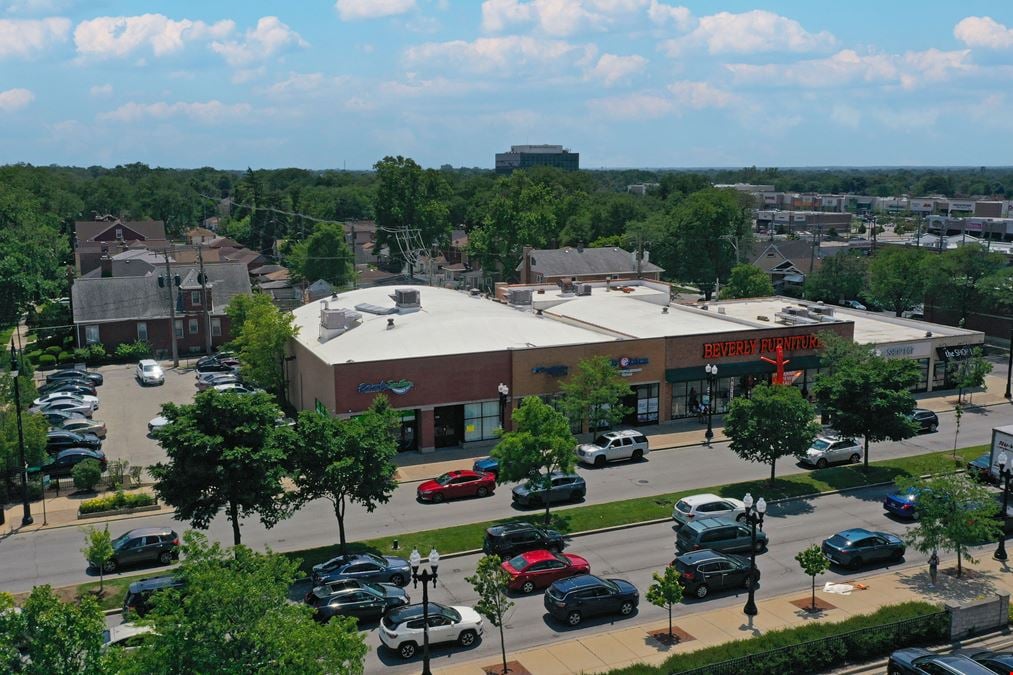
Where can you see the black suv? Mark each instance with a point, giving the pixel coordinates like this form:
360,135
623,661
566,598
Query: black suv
58,439
925,419
509,539
145,544
138,599
572,600
701,572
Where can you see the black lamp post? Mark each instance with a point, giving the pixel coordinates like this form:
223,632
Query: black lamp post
1004,475
712,375
504,391
26,519
1009,366
426,577
754,516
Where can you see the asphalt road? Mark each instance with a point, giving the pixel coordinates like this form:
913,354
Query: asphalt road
53,556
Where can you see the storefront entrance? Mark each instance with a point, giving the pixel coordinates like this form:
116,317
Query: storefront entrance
448,424
643,405
408,438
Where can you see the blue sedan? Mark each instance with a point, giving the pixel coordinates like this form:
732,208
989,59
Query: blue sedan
486,465
903,504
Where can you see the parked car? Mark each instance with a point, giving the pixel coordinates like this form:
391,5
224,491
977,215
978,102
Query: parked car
70,405
997,662
363,567
128,635
236,388
208,380
456,484
575,599
58,417
903,504
359,599
62,464
402,628
149,372
917,661
538,569
509,539
565,487
854,304
63,396
612,446
826,450
82,425
156,423
62,439
856,547
980,468
138,598
719,534
706,570
486,465
71,374
144,545
706,506
925,419
68,387
219,366
215,358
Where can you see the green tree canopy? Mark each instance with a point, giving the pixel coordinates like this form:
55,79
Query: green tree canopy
895,278
98,550
593,395
813,562
410,197
747,281
261,338
490,583
841,277
59,638
961,277
323,255
666,592
704,225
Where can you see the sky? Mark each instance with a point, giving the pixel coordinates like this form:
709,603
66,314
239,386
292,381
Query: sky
626,83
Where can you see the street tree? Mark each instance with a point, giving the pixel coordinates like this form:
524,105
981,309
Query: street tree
841,277
747,281
539,444
593,395
955,513
773,422
864,394
997,290
704,224
343,461
263,334
962,277
666,592
58,638
236,618
222,454
409,197
98,550
490,583
323,255
813,562
895,278
971,372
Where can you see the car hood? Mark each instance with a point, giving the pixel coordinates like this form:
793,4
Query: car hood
892,538
392,591
577,561
158,421
468,615
624,586
396,563
521,489
588,447
429,485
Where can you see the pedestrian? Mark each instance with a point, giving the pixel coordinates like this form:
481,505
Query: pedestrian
933,567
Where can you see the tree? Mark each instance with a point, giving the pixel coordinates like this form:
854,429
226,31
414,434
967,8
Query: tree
666,592
593,395
263,334
490,583
841,277
971,372
864,394
223,454
962,276
747,281
408,197
954,513
234,616
813,561
323,255
704,224
540,444
87,474
98,551
997,290
773,422
34,428
58,638
895,278
343,461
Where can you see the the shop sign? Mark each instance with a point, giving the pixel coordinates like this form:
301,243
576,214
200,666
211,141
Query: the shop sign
398,387
551,371
956,352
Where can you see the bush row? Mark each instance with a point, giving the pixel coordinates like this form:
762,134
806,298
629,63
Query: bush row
92,355
118,500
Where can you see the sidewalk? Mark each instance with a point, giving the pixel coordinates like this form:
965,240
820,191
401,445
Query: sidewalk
62,512
626,645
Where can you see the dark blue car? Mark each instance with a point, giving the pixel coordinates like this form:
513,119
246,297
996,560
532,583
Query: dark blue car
572,600
903,504
486,465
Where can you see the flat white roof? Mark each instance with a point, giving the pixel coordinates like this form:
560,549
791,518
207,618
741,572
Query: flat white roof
449,322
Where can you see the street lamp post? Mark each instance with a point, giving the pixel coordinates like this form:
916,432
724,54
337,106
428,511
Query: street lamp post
754,516
1009,366
426,577
712,374
504,391
1004,475
26,519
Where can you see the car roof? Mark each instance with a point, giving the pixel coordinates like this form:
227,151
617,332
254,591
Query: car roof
701,498
154,583
578,582
148,362
507,528
79,451
141,531
702,555
407,612
563,474
532,557
708,523
854,533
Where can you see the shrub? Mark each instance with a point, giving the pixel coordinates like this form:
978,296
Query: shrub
54,350
68,341
119,500
33,356
87,474
117,472
47,361
132,351
96,352
66,357
82,354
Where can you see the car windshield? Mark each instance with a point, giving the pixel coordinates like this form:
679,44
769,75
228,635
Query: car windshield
517,562
601,441
375,587
820,444
444,479
119,541
610,585
378,560
838,541
452,613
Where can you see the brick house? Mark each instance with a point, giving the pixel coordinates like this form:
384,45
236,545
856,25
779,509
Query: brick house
549,266
114,310
108,235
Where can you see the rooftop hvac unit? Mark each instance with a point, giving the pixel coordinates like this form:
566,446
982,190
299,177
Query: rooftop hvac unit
519,296
407,299
584,289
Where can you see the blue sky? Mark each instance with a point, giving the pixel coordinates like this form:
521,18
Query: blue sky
627,83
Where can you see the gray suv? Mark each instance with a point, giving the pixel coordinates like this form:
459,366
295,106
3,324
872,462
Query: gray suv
718,534
143,545
566,487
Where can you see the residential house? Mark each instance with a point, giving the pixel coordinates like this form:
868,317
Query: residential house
108,235
199,235
788,262
584,264
360,235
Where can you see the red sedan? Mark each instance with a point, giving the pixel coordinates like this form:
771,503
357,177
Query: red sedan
455,484
538,569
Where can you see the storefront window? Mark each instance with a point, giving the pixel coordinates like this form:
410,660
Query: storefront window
647,403
923,376
481,420
407,440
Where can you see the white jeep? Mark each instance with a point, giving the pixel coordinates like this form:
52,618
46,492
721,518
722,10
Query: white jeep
613,445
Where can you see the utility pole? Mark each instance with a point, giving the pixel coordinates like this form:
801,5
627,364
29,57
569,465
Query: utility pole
169,283
204,296
640,254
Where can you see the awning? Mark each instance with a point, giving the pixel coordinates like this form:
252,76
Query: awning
757,367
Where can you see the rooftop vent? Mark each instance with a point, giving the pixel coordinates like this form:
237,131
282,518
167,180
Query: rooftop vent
721,310
664,310
474,292
584,289
336,320
390,322
407,300
519,296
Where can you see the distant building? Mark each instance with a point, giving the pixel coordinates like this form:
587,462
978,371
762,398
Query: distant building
108,235
526,156
579,264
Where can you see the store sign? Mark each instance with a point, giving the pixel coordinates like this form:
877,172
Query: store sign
915,350
394,386
625,362
790,343
956,353
551,371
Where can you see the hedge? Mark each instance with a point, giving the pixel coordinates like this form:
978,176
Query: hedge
54,350
47,361
133,350
119,500
66,357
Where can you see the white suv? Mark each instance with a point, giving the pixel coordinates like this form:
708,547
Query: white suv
832,449
149,372
401,629
706,506
613,445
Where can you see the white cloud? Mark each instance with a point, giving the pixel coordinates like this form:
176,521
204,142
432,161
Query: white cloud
612,68
562,17
268,38
206,112
351,10
302,85
662,14
439,86
639,106
118,36
749,33
846,115
983,31
700,95
15,99
24,37
101,90
503,55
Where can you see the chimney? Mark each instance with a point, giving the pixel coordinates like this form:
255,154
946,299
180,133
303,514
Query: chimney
106,263
580,247
526,268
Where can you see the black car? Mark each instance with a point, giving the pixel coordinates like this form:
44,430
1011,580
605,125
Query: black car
138,598
363,567
58,440
856,547
223,366
997,662
916,661
701,572
145,544
57,417
68,387
925,419
215,358
70,374
509,539
574,599
359,599
62,464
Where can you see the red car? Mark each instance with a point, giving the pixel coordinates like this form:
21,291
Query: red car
454,484
538,569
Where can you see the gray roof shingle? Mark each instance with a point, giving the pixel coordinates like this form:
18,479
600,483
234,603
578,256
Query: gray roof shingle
560,262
